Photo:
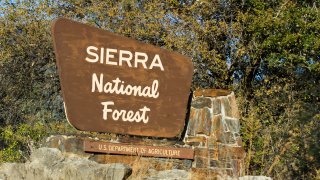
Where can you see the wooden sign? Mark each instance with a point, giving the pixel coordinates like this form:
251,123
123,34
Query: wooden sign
139,150
115,84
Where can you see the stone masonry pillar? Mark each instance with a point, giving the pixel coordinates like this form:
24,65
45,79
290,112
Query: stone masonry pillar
214,130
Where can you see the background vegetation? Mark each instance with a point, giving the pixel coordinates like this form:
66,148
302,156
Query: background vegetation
268,52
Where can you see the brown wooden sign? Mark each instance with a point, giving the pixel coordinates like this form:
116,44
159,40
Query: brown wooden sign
139,150
115,84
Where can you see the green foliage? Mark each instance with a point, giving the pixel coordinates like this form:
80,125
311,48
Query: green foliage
282,88
20,140
268,52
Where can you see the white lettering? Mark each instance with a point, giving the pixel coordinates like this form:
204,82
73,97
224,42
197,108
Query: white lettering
105,109
96,82
126,59
89,48
156,62
108,56
125,115
101,55
119,87
143,60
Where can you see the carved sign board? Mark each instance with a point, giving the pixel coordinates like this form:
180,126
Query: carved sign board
139,150
115,84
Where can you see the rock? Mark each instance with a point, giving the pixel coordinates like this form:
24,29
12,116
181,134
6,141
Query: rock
201,152
201,162
210,174
195,141
217,124
70,144
211,92
204,122
255,178
49,163
201,103
174,174
231,152
234,107
216,106
191,130
226,107
232,125
199,122
237,166
12,171
46,156
225,137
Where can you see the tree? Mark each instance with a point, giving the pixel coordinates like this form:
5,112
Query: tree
279,50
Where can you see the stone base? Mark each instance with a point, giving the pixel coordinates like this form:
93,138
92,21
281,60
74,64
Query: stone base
213,162
73,144
212,131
